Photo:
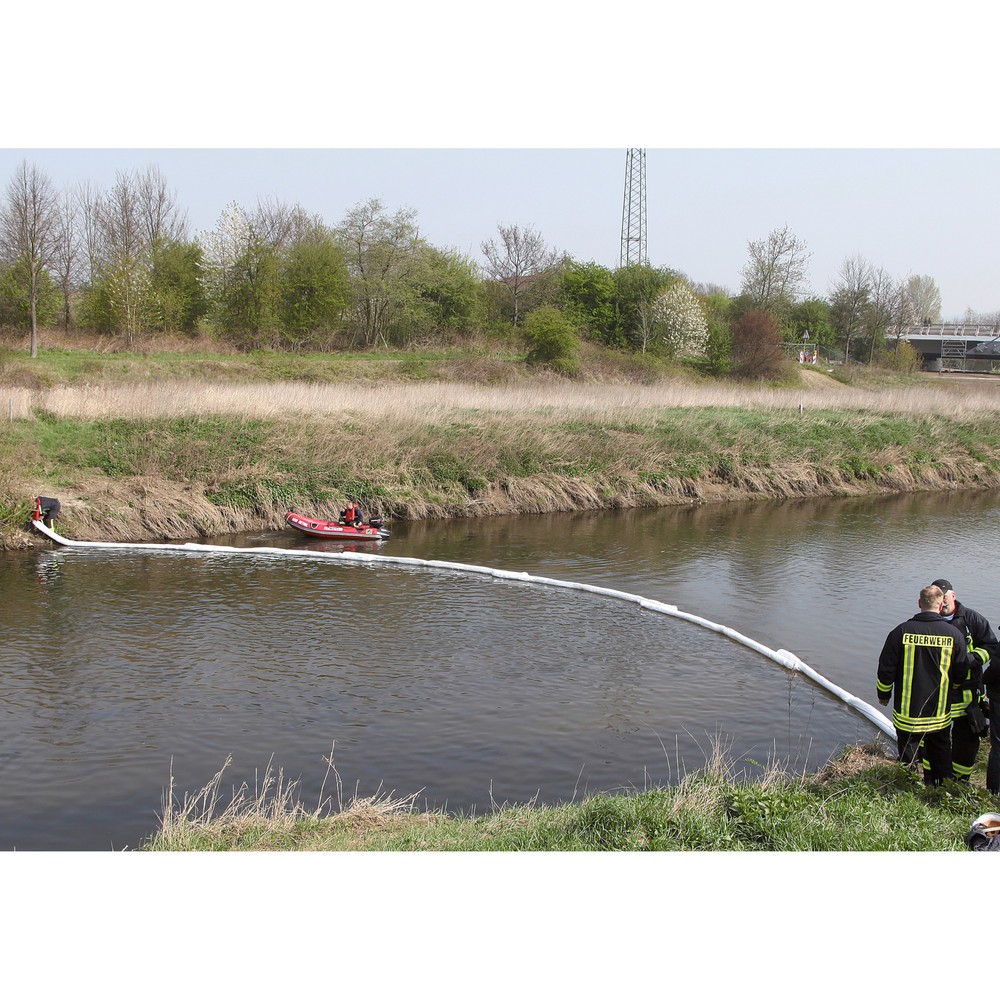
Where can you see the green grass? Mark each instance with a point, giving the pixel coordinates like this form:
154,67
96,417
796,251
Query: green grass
861,801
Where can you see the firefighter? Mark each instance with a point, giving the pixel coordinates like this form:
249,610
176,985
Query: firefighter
968,723
991,679
47,509
919,662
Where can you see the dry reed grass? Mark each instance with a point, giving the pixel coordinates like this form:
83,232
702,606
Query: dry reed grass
269,814
434,402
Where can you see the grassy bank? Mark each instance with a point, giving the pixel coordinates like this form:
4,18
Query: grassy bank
155,459
861,801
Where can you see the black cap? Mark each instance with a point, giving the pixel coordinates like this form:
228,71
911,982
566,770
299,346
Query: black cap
943,584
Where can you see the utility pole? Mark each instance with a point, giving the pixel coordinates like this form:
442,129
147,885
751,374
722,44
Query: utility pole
634,210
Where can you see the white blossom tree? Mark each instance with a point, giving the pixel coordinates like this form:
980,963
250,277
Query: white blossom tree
224,245
680,320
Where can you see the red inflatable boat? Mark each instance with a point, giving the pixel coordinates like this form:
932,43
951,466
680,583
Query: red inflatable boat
371,531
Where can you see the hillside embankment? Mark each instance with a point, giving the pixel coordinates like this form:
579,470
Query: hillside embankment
187,458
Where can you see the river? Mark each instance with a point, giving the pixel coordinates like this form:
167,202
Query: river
124,668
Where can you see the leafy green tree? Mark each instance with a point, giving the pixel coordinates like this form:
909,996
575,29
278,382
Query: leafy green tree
552,338
250,299
718,307
15,297
812,317
315,288
449,293
588,294
176,285
636,289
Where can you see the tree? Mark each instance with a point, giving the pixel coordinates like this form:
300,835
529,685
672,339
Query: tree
385,260
901,318
162,218
588,292
812,317
518,260
882,300
680,321
757,345
248,307
925,299
776,271
636,289
315,288
849,299
449,293
29,232
176,284
15,300
717,306
122,229
67,260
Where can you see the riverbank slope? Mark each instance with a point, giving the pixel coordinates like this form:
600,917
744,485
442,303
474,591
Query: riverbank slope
162,459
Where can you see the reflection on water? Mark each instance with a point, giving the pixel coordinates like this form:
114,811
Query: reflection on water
471,689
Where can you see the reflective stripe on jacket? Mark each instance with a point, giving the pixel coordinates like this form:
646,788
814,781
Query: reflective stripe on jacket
920,661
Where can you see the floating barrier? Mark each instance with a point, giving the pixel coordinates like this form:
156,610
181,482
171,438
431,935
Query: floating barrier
781,656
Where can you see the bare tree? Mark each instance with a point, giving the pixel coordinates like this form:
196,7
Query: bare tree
162,218
29,230
518,258
124,235
69,246
882,301
849,297
88,198
776,270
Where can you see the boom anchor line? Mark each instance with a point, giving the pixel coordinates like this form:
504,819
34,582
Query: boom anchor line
782,657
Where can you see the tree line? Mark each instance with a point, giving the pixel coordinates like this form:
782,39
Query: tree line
124,262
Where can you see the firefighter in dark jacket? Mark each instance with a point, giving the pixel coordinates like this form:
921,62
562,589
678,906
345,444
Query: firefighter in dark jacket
991,679
983,646
920,661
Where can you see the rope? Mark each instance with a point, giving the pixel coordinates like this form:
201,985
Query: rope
782,657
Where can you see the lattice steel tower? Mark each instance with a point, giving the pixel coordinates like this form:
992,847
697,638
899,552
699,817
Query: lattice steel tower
634,210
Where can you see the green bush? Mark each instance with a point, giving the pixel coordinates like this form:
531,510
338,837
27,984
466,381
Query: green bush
552,338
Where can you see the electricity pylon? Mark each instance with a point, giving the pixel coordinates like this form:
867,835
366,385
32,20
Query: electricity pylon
634,210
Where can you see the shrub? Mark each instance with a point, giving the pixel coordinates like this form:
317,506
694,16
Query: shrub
552,338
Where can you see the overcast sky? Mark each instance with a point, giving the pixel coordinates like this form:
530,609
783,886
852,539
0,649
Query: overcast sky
753,117
929,211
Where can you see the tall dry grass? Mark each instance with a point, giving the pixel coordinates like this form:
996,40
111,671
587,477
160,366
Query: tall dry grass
432,401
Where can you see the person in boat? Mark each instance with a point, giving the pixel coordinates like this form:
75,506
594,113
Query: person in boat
48,509
920,661
351,514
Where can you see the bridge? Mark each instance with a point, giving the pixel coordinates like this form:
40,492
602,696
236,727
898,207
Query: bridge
957,346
